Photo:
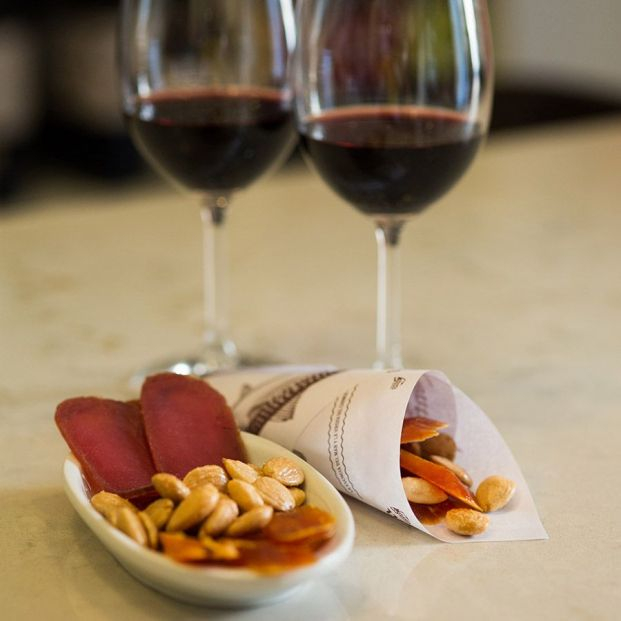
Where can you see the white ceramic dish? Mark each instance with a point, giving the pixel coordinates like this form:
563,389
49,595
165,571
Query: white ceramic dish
213,585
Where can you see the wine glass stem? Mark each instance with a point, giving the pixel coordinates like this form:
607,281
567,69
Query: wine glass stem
388,341
219,350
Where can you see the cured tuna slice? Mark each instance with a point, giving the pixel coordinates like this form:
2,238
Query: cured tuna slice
438,475
418,428
188,424
108,440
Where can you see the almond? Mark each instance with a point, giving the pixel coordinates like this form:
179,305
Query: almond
197,505
150,530
108,504
160,511
169,486
494,493
206,474
461,474
251,521
221,517
422,492
239,470
284,471
442,445
274,494
413,447
244,494
466,522
128,522
299,496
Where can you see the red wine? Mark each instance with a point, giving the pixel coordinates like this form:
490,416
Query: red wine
389,160
213,139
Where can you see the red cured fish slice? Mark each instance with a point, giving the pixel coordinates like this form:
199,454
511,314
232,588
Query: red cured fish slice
188,424
418,428
109,442
438,475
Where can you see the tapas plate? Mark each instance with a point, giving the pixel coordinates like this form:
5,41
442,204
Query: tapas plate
217,586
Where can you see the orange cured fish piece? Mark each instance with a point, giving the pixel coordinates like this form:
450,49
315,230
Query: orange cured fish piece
440,476
183,549
262,555
272,557
419,428
304,524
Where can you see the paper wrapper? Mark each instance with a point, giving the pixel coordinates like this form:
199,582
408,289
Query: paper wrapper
347,424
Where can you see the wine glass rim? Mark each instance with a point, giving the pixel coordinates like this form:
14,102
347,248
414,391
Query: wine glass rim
410,109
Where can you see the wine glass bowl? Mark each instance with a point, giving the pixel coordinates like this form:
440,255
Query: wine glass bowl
207,102
212,140
393,99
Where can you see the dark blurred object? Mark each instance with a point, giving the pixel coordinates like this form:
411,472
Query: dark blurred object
520,106
20,101
83,125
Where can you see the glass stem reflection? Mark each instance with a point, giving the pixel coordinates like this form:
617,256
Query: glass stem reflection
388,340
218,350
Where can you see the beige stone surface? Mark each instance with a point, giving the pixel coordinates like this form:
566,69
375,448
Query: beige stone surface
511,287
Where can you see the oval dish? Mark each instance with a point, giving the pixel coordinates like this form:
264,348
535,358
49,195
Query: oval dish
216,585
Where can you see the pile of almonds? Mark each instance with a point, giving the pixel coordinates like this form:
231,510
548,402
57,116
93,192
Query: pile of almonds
217,506
442,485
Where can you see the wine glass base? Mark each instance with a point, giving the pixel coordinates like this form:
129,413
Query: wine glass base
196,365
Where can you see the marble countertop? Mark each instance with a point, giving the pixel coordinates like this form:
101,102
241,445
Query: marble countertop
511,288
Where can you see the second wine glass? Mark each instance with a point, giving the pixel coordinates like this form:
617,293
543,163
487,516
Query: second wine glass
207,101
393,100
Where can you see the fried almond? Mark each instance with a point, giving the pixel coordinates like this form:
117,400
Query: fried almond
207,474
108,504
150,530
240,470
494,493
160,511
221,517
274,493
466,522
198,504
299,496
251,521
442,445
284,471
169,486
413,447
422,492
461,474
244,494
128,522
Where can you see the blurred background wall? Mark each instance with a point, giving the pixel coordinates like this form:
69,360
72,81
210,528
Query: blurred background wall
570,45
557,60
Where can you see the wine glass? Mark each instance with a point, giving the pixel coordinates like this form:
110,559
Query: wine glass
207,101
393,98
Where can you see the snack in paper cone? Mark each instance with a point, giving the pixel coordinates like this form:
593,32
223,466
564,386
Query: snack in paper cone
440,476
351,426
